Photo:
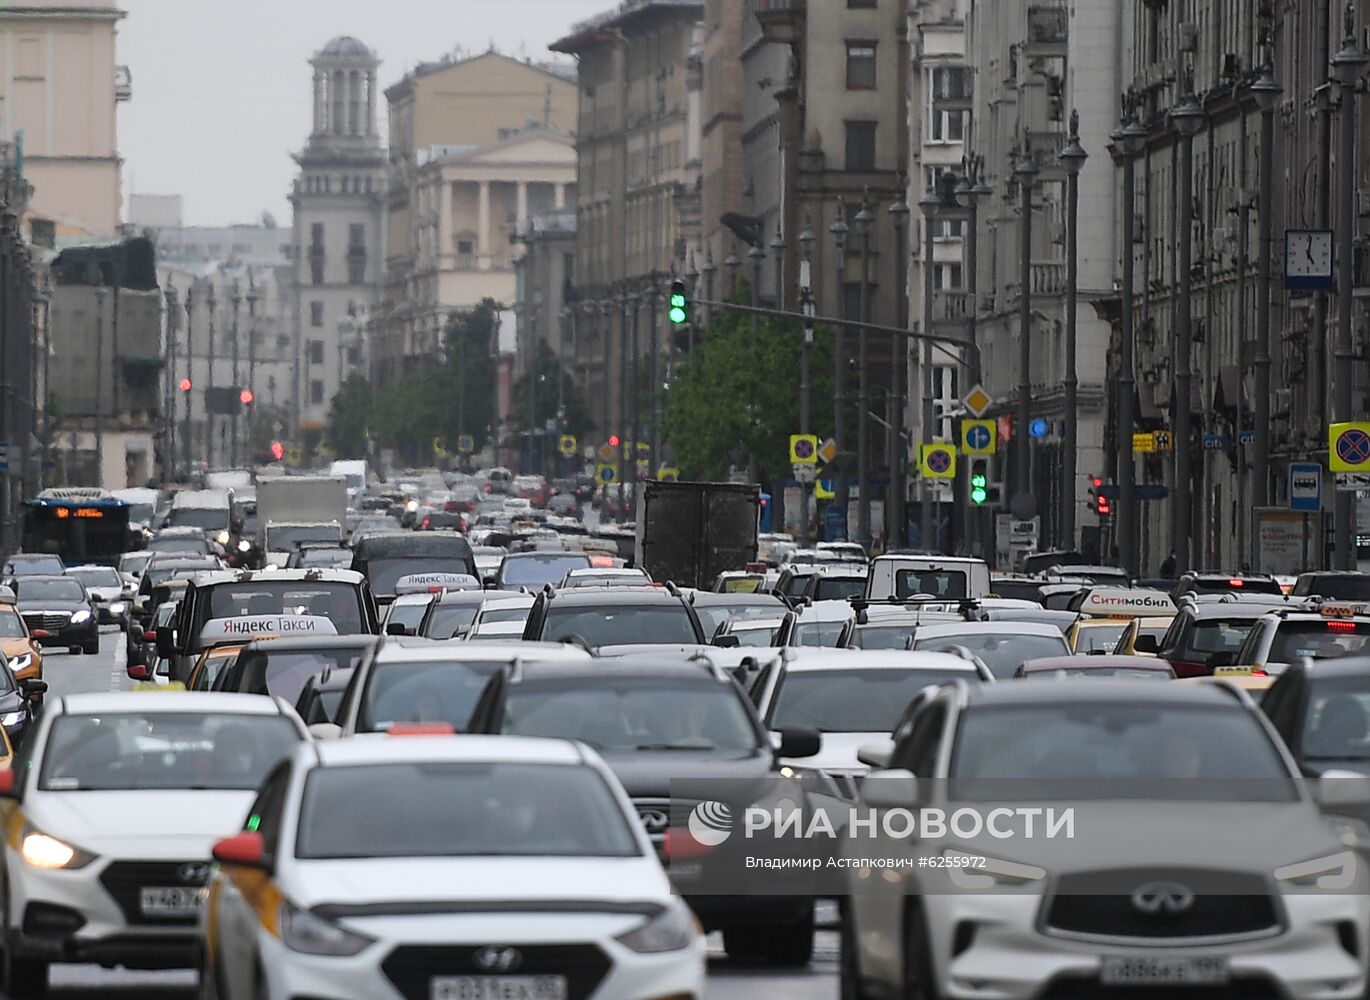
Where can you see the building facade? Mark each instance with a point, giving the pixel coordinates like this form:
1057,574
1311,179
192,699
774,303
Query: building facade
338,238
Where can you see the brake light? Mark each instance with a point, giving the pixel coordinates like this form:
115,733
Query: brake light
1341,626
427,522
436,588
422,729
1237,583
602,562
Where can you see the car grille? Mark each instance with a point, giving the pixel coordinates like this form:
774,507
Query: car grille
124,880
655,816
51,621
411,968
1224,905
1089,988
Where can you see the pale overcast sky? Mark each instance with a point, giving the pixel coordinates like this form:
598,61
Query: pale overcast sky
221,90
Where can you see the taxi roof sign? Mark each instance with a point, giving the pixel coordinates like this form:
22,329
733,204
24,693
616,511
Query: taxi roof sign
247,627
1238,672
1343,610
422,583
1126,602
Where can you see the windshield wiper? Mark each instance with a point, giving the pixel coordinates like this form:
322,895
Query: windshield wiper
673,746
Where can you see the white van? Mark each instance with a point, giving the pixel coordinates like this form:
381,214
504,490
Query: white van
896,577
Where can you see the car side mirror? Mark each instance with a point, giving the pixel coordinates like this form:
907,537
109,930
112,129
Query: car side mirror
139,672
1338,790
149,635
1146,644
799,741
326,731
396,628
895,789
877,754
727,641
33,688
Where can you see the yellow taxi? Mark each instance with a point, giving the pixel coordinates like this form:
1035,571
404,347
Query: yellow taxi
1153,628
1249,679
211,662
19,645
1095,635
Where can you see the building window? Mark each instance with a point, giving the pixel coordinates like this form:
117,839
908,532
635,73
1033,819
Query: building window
854,4
356,253
860,65
860,145
316,352
354,355
465,248
316,392
951,228
947,85
316,314
947,277
316,253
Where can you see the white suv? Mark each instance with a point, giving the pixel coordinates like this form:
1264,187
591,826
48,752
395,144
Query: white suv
481,867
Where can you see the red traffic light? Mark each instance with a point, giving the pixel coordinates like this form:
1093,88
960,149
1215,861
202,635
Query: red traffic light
185,385
277,450
246,397
614,440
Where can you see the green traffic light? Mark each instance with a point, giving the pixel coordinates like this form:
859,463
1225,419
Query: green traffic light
678,313
979,488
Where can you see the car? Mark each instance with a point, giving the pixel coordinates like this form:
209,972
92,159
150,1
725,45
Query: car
405,613
405,680
1319,708
184,540
132,564
1280,638
1109,576
106,588
222,639
19,646
804,584
599,918
309,556
847,551
1039,562
60,608
1341,585
31,564
211,662
596,577
1095,635
1205,634
714,609
822,623
451,614
113,816
656,720
502,608
1142,636
536,569
756,632
1224,583
1024,587
383,559
613,616
1002,645
279,666
1249,922
18,702
1099,665
890,626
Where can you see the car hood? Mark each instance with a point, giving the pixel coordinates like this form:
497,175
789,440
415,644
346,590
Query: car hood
51,605
649,773
106,593
135,822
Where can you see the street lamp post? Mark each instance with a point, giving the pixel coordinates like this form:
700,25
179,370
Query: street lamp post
1187,119
806,241
778,253
211,307
235,299
1266,93
839,230
708,271
1073,160
99,386
899,369
190,373
253,297
864,219
1347,67
757,256
625,437
970,193
1026,172
172,316
929,205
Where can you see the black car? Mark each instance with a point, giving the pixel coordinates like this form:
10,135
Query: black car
31,564
654,721
59,612
17,702
1202,632
537,569
1322,711
614,616
1340,585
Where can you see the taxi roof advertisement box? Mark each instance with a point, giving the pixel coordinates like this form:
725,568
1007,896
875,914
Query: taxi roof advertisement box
688,533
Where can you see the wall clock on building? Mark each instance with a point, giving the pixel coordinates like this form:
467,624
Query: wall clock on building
1308,259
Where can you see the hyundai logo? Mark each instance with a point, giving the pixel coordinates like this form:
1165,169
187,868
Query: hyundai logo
496,959
654,820
195,872
1157,898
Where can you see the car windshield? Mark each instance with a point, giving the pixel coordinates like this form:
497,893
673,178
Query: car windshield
438,809
867,700
713,615
210,518
1321,640
102,577
838,588
49,590
882,636
1144,673
1002,652
284,674
340,602
621,624
333,558
11,625
534,571
161,574
818,633
163,750
423,691
1099,638
140,513
1202,585
619,715
383,574
408,615
33,566
1336,724
134,562
193,546
1116,750
502,615
754,636
950,584
449,619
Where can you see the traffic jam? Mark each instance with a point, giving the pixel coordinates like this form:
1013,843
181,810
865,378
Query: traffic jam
469,736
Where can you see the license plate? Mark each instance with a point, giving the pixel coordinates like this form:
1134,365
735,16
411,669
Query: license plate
172,901
498,988
1126,971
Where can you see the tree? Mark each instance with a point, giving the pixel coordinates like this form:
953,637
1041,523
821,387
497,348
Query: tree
546,369
349,417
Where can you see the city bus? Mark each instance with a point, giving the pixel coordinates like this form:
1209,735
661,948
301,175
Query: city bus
80,525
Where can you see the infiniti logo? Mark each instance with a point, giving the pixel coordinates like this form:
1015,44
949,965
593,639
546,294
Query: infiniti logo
1162,897
497,959
654,820
194,872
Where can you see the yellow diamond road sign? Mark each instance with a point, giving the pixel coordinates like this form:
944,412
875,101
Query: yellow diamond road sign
827,451
978,437
803,449
978,401
568,445
937,461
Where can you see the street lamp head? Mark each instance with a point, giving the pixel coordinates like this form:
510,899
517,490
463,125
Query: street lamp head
899,211
692,275
1265,91
1025,170
756,253
1348,65
777,241
709,266
1187,117
864,217
839,229
929,203
1073,157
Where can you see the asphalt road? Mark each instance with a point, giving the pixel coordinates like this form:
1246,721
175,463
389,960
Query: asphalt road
67,674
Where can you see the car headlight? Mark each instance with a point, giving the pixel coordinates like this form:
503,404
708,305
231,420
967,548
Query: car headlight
1350,831
21,662
223,537
118,608
12,718
41,851
79,617
672,929
244,545
311,934
972,870
1335,872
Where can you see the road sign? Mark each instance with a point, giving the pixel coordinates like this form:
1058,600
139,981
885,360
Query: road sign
1353,482
825,489
1141,491
1023,533
805,474
827,451
568,445
4,458
295,455
607,452
978,437
668,474
1143,444
607,475
1348,447
439,447
803,449
466,444
977,401
1305,486
1165,441
937,460
1247,436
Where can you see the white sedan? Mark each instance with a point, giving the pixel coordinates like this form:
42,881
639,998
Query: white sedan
480,868
112,819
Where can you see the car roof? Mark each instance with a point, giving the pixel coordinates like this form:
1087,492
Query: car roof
629,666
45,578
1094,662
1342,666
506,599
1242,610
281,644
712,599
463,597
410,649
454,749
940,630
423,598
587,571
615,595
806,658
202,702
312,575
826,611
1099,689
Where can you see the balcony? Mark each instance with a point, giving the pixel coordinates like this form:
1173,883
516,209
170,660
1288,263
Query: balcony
1047,29
782,21
950,306
1047,279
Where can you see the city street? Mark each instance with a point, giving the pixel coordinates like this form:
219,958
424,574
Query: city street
67,674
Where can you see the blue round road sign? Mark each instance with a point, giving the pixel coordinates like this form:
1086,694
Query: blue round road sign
1353,446
978,437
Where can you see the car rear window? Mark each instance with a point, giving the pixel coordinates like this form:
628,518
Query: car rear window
1217,635
1320,640
950,584
1235,585
621,624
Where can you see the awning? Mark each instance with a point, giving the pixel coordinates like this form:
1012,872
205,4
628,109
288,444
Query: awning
1228,392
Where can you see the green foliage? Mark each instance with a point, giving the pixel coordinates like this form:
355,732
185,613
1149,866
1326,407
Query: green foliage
546,369
347,418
